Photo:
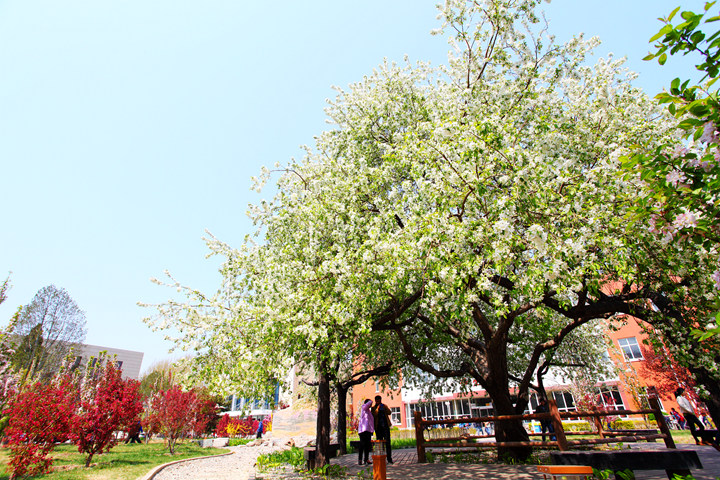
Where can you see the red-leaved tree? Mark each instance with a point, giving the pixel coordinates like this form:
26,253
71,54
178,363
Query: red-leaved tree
204,415
39,416
107,403
173,414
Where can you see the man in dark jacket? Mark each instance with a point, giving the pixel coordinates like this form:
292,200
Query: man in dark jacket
381,412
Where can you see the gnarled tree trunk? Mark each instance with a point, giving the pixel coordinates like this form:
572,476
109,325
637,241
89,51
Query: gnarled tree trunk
322,434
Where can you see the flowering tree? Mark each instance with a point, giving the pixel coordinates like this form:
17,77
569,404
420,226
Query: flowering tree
469,212
173,413
107,403
39,416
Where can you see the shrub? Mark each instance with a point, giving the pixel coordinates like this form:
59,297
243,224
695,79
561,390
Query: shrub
623,425
221,428
172,414
576,426
38,417
204,415
107,403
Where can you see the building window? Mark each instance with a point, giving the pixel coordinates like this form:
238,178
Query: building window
630,348
395,416
644,397
610,398
565,401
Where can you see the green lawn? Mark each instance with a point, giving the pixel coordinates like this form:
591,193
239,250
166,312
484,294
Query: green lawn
124,462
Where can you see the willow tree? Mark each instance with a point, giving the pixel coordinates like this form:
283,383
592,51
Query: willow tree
471,211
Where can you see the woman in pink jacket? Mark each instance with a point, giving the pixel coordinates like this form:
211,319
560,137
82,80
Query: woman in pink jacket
366,427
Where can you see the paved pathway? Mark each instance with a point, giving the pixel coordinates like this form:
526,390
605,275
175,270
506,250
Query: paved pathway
406,467
240,466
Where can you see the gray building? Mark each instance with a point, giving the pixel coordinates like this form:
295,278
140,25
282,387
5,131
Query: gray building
129,361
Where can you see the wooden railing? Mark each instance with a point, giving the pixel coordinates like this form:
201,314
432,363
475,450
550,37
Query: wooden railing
555,416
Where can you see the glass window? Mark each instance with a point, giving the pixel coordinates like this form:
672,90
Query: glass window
565,401
395,416
630,348
610,397
465,407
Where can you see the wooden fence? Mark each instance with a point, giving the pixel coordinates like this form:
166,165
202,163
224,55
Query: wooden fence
561,441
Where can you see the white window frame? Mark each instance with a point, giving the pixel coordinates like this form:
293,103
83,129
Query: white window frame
628,346
395,415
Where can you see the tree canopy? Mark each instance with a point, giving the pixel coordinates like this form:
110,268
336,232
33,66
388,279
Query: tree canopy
48,329
472,213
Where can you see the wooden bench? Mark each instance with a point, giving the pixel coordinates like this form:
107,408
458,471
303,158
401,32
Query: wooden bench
671,460
309,454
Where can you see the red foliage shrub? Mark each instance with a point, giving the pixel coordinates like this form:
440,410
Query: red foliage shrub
205,413
39,416
235,426
107,403
221,428
173,414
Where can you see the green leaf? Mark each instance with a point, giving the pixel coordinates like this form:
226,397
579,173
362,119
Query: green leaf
689,123
663,31
697,37
662,59
700,110
672,14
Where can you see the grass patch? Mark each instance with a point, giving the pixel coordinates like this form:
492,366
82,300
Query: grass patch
293,456
234,442
395,443
120,463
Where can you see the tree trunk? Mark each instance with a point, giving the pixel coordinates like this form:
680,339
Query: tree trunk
509,430
342,417
322,434
498,387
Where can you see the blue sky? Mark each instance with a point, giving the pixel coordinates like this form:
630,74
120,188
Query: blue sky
128,128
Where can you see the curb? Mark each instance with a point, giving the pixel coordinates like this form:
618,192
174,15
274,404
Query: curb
151,474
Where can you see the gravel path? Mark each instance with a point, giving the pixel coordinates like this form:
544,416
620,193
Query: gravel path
238,466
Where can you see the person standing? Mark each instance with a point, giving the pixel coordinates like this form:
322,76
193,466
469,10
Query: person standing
366,427
381,413
545,423
679,420
688,411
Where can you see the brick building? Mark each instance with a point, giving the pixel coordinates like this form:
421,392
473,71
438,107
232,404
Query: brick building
638,367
